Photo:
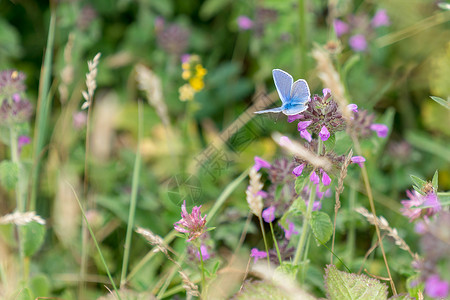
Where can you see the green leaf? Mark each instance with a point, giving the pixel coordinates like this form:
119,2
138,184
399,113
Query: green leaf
419,183
24,294
434,181
330,143
342,286
300,183
40,285
321,226
402,296
425,143
8,174
289,269
444,198
441,101
32,235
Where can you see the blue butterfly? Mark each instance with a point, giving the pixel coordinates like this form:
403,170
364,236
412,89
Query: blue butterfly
294,96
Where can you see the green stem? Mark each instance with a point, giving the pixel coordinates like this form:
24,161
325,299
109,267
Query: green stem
43,110
276,243
133,201
95,242
264,238
352,230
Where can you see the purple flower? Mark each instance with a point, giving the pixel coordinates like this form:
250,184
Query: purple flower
320,194
306,135
358,160
411,207
420,227
16,97
205,254
380,19
326,180
292,118
353,107
326,92
22,141
358,42
263,194
185,58
193,224
302,125
314,178
316,205
340,27
290,231
298,170
436,288
258,254
261,163
381,129
324,134
244,22
285,141
269,214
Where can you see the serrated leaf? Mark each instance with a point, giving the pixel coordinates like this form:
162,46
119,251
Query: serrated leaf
434,181
32,235
289,269
342,286
8,174
321,226
330,143
441,101
300,183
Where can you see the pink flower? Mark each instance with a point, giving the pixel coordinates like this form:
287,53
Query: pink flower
193,224
326,92
244,22
324,134
302,125
262,194
16,98
358,42
340,27
298,170
258,254
316,205
185,58
353,107
411,207
269,214
358,160
285,141
261,163
381,129
205,254
436,288
320,194
380,19
326,180
306,135
290,231
314,178
79,119
292,118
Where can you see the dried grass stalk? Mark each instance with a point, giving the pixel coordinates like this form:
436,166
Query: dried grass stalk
21,218
91,82
254,200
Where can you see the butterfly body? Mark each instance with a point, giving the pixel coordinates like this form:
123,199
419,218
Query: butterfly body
294,95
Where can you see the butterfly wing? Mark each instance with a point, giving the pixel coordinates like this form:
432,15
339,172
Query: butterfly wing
300,93
272,110
283,82
295,109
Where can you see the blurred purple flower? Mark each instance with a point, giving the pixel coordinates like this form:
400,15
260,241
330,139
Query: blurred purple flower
263,194
326,92
436,288
353,107
420,227
358,160
340,27
320,194
244,22
324,134
314,177
292,118
258,254
290,231
326,180
358,43
411,207
302,125
205,254
269,214
380,19
22,141
261,163
185,58
192,224
316,205
298,170
306,135
79,119
381,129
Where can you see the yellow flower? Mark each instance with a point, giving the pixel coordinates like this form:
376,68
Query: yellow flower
200,71
185,66
186,74
186,92
197,83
